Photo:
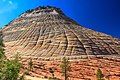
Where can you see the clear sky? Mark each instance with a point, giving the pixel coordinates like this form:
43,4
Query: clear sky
100,15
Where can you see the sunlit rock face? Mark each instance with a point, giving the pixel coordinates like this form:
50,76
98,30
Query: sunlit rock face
48,32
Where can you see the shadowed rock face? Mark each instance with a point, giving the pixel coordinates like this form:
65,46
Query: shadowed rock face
47,32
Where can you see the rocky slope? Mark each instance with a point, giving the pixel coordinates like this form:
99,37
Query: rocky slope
79,69
48,32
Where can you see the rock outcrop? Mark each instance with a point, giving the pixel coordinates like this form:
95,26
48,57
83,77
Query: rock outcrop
48,32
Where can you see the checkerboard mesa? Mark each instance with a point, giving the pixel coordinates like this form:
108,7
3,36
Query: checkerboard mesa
48,32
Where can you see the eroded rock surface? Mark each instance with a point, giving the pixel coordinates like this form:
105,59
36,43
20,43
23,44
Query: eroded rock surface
49,33
79,69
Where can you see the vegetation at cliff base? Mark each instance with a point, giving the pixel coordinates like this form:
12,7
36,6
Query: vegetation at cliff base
9,69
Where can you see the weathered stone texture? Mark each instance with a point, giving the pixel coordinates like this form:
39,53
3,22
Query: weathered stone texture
48,33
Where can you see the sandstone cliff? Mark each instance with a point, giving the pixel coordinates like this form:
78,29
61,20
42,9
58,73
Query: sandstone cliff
48,32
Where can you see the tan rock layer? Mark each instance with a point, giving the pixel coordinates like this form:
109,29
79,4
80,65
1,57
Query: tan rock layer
53,34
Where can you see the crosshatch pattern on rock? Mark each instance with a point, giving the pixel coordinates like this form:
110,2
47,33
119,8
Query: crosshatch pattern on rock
48,32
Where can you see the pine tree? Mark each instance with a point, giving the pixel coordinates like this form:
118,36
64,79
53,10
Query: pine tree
2,58
99,75
30,64
9,69
65,68
12,69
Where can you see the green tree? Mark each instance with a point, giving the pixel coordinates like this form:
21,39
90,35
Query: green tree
99,75
65,67
9,69
2,58
12,69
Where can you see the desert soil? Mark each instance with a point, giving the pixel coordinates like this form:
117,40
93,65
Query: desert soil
33,78
79,69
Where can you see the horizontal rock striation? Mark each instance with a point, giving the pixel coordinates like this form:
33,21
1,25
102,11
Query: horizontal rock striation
47,32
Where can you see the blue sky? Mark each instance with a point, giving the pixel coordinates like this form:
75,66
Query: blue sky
99,15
